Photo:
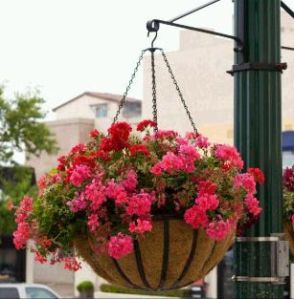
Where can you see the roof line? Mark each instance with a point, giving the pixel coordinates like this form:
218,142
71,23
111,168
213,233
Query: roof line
98,95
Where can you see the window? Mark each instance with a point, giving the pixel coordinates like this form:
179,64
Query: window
132,109
288,159
288,148
9,293
34,292
101,110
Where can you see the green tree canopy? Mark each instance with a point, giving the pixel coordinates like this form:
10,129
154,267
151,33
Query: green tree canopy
21,130
21,127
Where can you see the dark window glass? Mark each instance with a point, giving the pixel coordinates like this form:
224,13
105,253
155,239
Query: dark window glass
9,293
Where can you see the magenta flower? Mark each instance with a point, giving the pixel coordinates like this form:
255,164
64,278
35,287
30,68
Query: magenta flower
140,226
218,230
120,246
79,174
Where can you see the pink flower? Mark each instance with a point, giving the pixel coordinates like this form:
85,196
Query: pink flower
140,204
140,226
188,155
93,223
26,205
191,135
246,181
117,192
181,141
257,174
21,235
144,124
218,230
156,169
71,264
229,154
292,219
24,209
207,202
206,187
79,174
95,193
166,134
171,162
79,148
202,141
40,258
130,182
120,246
252,204
196,216
78,203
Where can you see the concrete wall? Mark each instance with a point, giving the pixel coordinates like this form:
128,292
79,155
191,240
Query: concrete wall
81,108
68,132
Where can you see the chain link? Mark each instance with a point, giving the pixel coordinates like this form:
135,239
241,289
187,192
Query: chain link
123,100
154,97
154,100
179,91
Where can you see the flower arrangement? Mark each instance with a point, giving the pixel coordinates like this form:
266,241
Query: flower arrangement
113,187
288,205
288,194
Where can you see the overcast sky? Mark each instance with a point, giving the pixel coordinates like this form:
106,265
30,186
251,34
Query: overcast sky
66,47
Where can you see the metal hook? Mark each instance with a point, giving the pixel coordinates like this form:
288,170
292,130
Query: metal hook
155,37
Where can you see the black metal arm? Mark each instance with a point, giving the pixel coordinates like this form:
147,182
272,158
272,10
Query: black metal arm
287,9
153,26
193,10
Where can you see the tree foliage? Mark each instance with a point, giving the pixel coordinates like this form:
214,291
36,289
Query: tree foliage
21,130
21,127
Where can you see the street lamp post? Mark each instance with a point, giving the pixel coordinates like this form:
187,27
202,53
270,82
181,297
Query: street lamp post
257,79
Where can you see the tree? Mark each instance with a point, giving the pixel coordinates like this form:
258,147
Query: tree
21,129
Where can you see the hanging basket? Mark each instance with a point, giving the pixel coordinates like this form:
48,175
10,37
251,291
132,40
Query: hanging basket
289,234
171,256
108,197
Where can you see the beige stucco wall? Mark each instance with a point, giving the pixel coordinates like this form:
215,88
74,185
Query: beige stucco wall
68,133
81,108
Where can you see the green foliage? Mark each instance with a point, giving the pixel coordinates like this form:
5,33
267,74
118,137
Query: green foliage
20,127
21,130
85,285
108,288
13,188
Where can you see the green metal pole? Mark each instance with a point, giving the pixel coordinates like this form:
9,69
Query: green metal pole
257,136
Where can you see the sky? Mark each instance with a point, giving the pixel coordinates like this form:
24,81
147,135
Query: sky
66,47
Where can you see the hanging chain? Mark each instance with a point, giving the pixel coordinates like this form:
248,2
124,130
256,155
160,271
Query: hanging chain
179,91
154,100
123,100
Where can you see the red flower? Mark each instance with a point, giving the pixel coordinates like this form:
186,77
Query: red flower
118,139
139,148
257,174
144,124
84,160
103,155
120,130
79,148
288,179
94,133
61,163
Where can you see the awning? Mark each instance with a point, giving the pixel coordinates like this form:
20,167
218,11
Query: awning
288,141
